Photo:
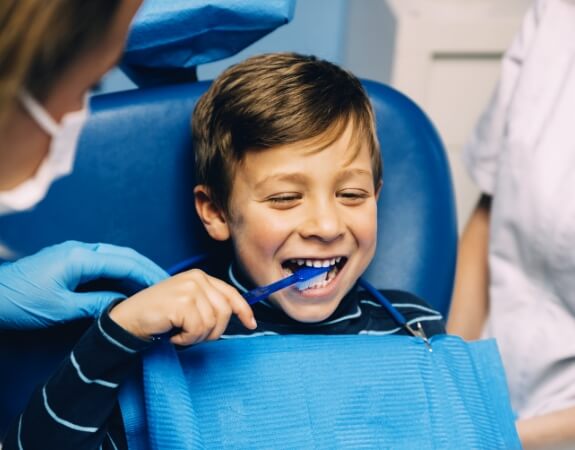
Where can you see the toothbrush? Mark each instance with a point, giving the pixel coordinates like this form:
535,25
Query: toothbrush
303,278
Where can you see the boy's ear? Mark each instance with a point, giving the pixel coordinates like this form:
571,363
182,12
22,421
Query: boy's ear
211,216
378,189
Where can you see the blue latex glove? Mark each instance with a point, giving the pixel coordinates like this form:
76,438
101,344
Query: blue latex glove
38,291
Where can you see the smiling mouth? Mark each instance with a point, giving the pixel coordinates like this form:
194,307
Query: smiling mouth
336,264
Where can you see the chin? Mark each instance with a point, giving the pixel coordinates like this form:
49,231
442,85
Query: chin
310,313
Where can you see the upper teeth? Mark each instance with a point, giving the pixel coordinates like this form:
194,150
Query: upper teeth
318,262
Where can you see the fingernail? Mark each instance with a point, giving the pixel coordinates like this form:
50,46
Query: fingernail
254,323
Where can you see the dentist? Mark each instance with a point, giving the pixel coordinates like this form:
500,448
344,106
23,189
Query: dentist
52,52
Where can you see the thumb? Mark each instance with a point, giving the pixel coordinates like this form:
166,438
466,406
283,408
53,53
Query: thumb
93,304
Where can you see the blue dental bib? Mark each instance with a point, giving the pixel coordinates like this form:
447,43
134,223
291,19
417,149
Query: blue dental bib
351,391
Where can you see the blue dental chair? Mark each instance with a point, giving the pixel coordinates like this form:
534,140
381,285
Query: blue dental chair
132,185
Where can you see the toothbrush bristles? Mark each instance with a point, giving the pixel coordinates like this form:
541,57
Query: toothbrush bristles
302,285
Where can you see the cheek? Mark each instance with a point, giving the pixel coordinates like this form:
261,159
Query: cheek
365,228
258,232
256,242
371,229
366,234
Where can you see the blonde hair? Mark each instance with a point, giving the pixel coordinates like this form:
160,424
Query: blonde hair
39,38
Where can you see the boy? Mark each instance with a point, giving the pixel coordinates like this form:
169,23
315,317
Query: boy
289,170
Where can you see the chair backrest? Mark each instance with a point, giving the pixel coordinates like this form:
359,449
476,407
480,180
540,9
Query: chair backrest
132,185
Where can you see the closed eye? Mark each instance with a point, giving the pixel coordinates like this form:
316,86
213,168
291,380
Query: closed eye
284,201
353,196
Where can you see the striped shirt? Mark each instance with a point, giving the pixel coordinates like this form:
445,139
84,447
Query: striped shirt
77,408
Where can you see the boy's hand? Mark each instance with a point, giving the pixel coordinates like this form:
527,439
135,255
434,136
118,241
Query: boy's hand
196,304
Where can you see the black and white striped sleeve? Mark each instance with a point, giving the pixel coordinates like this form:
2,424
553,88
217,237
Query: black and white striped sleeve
72,410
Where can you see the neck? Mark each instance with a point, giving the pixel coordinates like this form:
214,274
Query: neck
23,147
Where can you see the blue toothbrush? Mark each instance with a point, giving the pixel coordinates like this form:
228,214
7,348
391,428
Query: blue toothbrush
304,278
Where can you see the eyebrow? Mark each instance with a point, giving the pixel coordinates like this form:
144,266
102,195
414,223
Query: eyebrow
299,178
289,177
349,173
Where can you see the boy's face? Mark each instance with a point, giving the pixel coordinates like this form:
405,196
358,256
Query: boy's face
294,204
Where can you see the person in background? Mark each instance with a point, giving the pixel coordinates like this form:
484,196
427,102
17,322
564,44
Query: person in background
52,53
516,270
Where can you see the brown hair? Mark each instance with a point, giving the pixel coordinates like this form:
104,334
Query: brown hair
39,38
271,100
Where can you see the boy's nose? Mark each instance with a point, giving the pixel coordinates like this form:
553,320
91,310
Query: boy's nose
323,222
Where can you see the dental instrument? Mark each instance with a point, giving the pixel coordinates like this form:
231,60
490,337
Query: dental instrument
303,279
397,316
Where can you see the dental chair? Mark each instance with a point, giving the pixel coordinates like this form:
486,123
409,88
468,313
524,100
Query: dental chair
132,186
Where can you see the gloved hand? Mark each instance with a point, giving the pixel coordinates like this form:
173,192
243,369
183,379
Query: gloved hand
39,290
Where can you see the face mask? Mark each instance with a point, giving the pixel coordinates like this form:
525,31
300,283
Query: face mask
59,161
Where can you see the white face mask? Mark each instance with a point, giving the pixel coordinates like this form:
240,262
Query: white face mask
58,162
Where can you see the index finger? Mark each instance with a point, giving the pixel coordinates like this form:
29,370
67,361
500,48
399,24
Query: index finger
238,304
87,265
149,268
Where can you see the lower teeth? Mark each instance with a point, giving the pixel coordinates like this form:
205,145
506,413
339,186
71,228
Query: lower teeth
330,276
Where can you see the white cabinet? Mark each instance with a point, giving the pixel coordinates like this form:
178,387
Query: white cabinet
444,54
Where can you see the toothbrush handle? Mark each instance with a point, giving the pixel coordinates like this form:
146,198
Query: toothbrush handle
254,297
263,292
